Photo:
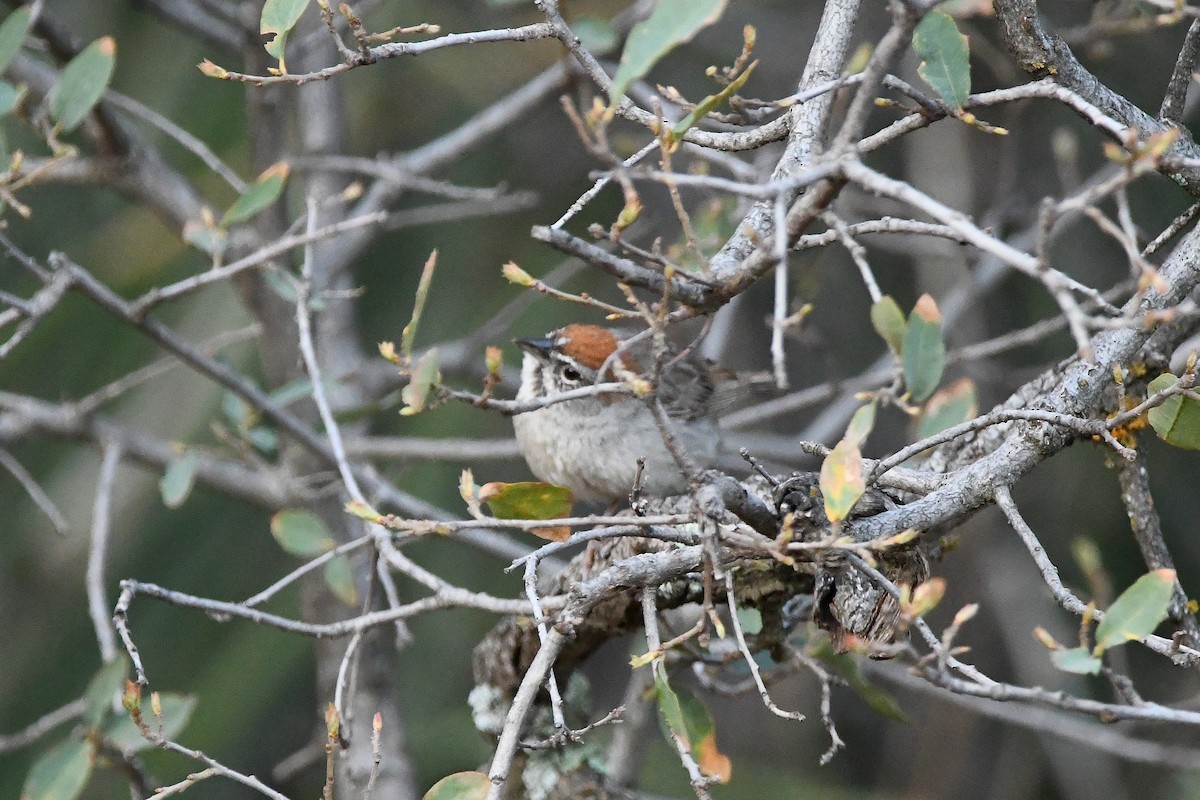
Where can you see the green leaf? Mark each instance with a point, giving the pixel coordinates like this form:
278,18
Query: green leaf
295,390
842,480
948,407
924,353
239,413
672,23
945,61
262,193
848,667
339,577
279,17
668,705
205,235
12,34
527,500
888,321
83,81
750,619
281,282
409,335
460,786
424,375
1136,613
124,735
176,483
685,719
60,773
104,686
265,440
10,97
709,103
301,533
1077,660
597,35
1177,421
861,424
702,734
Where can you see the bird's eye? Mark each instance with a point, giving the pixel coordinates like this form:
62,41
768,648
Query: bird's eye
571,374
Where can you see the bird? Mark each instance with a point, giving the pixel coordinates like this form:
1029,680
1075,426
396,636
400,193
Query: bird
591,445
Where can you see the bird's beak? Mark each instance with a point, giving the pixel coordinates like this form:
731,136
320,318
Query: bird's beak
540,348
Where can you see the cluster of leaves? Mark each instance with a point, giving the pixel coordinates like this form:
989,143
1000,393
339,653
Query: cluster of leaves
210,234
917,342
1132,617
243,425
301,533
82,84
79,87
62,772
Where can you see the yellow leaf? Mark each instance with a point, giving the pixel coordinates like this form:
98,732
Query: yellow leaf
842,480
493,359
926,596
1043,636
527,500
514,274
212,70
361,510
388,351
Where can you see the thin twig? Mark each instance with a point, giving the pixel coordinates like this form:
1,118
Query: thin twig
36,493
305,568
41,726
264,254
192,144
98,607
826,679
538,30
779,315
223,611
857,253
539,618
666,533
748,656
182,786
600,183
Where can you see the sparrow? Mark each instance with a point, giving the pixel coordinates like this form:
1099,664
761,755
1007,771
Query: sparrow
591,445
